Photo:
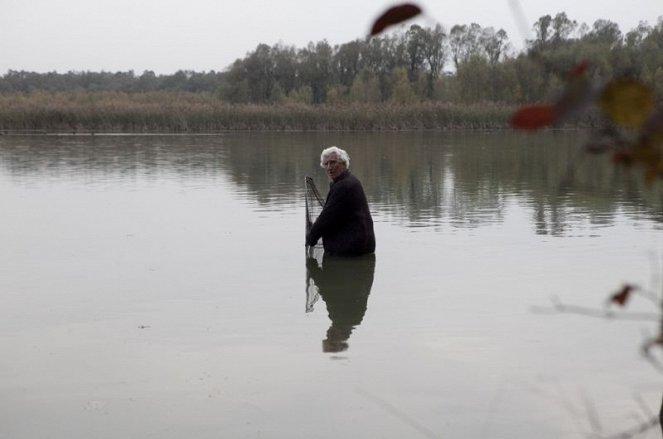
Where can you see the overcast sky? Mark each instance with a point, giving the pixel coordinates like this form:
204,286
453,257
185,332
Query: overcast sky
202,35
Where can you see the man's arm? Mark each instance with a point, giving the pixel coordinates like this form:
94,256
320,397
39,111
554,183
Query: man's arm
332,213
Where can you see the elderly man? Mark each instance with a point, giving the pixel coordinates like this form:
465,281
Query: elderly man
345,224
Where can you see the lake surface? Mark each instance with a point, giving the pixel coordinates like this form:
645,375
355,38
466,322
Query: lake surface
157,287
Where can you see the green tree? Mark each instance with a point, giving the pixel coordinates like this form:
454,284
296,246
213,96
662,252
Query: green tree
562,28
259,69
316,69
651,50
337,94
542,29
604,32
464,43
348,62
381,56
494,44
147,82
365,88
436,54
402,92
286,68
301,95
472,76
415,47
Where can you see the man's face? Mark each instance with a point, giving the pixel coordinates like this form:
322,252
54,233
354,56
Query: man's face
333,166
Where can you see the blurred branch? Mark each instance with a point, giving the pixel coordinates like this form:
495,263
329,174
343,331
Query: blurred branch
647,420
649,343
632,432
558,307
398,413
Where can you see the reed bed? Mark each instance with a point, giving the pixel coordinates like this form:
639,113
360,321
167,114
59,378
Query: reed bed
178,112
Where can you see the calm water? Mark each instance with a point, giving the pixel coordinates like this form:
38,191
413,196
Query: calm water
156,287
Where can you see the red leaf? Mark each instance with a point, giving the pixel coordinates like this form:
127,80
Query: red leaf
622,158
579,93
395,15
622,295
533,117
578,70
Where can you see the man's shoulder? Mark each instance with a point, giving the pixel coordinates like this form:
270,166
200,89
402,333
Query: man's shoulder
347,180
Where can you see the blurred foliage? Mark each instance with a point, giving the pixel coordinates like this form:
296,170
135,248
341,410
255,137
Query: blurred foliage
630,124
395,15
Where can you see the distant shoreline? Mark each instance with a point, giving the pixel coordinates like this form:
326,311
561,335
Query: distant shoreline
160,113
10,133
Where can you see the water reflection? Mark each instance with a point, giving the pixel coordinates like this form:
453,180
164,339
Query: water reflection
344,284
462,180
416,179
100,160
140,251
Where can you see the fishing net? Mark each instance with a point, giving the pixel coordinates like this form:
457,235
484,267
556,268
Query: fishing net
312,293
314,204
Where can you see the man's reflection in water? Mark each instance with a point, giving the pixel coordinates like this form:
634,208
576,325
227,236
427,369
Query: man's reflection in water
344,283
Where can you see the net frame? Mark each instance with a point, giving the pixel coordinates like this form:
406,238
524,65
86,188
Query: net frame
314,202
314,205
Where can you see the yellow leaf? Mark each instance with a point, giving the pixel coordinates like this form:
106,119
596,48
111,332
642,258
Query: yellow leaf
627,102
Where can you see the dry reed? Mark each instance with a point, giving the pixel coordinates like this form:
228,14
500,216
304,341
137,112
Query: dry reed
178,112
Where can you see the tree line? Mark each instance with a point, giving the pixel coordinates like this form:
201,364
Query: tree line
464,64
126,82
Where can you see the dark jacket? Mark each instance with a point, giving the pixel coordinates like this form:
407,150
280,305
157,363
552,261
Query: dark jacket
345,224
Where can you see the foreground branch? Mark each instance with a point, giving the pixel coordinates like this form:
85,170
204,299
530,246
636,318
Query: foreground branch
607,313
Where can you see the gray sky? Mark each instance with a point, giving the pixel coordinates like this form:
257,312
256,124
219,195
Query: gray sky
201,35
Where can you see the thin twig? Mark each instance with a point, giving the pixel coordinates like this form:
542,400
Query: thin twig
632,432
398,413
646,352
562,308
643,406
593,414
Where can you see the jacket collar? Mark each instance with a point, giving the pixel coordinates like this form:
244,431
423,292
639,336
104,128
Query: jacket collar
341,176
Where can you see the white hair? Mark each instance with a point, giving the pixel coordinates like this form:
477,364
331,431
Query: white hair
341,154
